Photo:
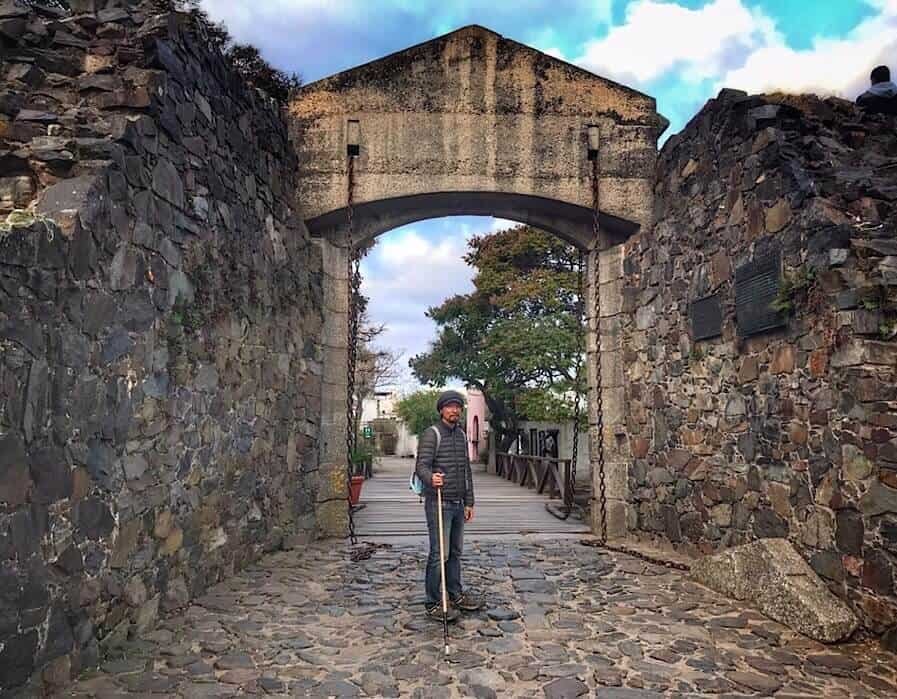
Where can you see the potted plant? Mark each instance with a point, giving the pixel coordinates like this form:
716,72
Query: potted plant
359,457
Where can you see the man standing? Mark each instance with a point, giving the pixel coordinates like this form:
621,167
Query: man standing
443,462
882,96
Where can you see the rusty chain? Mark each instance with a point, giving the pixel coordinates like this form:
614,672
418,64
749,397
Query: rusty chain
364,551
353,279
570,480
577,410
599,415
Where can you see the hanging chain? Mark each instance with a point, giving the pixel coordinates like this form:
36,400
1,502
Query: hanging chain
570,480
353,278
570,492
599,414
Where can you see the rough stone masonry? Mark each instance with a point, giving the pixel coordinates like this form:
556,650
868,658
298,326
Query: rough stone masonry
790,432
162,310
159,310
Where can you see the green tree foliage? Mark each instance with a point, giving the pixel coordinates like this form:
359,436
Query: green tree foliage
259,73
517,336
418,410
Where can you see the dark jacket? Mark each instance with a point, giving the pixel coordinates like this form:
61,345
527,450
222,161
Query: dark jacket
881,97
452,460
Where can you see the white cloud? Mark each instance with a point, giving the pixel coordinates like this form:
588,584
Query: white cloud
501,224
406,273
831,67
687,56
659,37
247,12
414,268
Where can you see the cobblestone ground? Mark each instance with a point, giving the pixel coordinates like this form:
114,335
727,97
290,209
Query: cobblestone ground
563,620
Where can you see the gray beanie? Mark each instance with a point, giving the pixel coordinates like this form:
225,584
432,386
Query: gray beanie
447,397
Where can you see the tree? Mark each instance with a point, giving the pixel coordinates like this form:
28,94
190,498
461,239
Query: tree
259,73
374,366
418,410
517,337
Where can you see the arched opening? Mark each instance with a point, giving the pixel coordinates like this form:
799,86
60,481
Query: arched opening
572,224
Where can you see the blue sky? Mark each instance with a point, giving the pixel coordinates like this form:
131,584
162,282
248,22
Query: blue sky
682,52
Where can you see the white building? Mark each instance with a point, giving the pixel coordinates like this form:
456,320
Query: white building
382,404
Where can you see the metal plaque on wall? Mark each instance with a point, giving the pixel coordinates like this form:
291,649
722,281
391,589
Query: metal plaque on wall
706,318
756,287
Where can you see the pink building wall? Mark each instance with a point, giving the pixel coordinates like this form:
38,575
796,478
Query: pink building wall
477,423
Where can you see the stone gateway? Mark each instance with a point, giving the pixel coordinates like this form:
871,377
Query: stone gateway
173,299
472,123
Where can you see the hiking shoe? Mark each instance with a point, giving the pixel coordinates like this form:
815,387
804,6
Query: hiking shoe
435,613
467,602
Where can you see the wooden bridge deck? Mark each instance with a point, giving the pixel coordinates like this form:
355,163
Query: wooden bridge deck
502,507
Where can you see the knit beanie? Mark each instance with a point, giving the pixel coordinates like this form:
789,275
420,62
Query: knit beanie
447,397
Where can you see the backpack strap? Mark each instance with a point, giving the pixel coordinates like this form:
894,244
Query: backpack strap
415,483
435,428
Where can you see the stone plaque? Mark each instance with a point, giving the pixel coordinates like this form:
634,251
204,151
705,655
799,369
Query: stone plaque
706,318
756,287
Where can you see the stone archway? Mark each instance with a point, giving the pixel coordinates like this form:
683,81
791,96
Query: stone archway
472,123
570,222
332,516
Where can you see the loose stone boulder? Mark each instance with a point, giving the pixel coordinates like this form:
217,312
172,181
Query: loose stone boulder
771,575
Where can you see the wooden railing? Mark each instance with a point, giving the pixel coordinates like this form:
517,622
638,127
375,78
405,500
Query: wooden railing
539,472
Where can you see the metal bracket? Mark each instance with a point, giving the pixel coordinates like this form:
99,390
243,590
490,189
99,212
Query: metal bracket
353,138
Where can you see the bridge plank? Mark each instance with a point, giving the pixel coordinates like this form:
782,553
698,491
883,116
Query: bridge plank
502,507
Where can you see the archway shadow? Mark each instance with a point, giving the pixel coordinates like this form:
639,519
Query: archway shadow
572,223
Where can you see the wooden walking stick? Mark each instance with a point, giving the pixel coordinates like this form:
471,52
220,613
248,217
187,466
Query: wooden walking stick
442,571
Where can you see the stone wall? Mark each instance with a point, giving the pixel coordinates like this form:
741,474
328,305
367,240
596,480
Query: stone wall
791,432
159,322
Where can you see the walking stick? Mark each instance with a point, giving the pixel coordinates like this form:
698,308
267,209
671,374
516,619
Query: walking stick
442,571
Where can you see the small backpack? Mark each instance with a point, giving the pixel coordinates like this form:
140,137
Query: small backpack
414,483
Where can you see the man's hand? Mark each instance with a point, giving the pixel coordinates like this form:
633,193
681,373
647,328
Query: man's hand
438,480
468,513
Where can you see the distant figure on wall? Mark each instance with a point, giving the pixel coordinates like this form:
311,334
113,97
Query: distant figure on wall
881,97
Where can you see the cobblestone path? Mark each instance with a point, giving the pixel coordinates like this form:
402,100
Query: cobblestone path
563,620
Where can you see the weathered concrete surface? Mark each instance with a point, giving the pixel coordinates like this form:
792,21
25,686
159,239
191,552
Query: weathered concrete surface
562,620
772,576
477,115
332,515
605,269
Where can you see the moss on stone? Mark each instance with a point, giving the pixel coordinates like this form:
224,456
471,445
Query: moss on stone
21,219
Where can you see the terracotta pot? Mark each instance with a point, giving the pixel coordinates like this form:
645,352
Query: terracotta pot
355,489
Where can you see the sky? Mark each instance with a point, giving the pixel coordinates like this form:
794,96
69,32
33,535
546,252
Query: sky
682,52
